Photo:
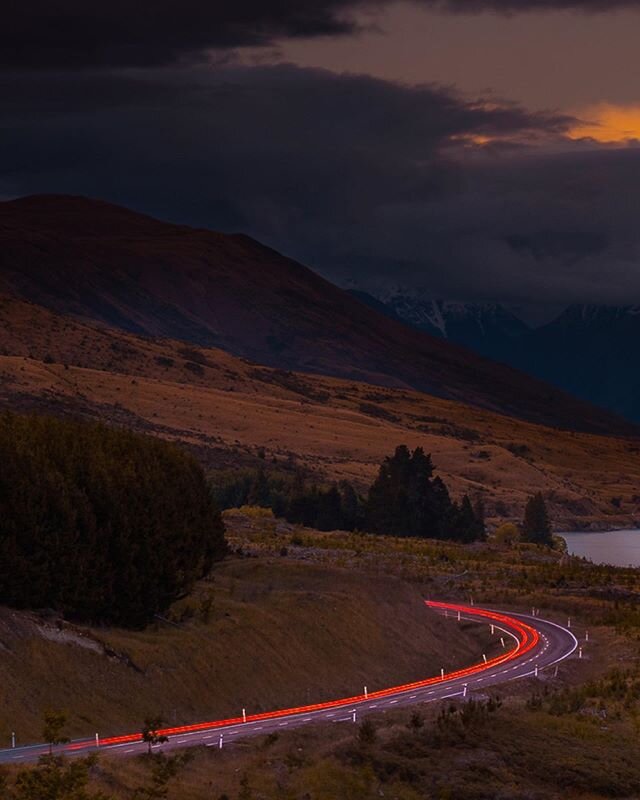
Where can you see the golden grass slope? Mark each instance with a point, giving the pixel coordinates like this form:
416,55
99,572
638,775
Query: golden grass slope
227,408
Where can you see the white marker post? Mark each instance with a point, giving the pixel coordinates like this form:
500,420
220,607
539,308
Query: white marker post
484,658
13,739
586,636
366,693
493,629
354,714
459,616
579,652
97,740
464,690
244,715
569,622
535,671
220,743
442,673
502,642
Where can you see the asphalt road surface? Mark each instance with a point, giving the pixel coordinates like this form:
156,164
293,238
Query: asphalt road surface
529,645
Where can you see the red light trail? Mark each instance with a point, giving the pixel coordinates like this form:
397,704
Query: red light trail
526,636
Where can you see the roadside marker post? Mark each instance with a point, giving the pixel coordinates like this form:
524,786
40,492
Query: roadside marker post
579,652
354,714
220,743
366,693
97,740
493,629
13,739
586,636
569,622
442,673
535,671
464,690
459,618
502,642
244,715
484,658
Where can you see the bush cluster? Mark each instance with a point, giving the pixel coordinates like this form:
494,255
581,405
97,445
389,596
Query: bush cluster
100,524
404,500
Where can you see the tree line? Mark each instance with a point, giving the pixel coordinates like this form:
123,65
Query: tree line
102,525
405,499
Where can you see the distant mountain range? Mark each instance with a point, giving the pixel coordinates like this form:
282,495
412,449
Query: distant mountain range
113,267
591,351
485,328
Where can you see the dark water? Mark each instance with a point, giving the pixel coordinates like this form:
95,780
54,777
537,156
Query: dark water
620,548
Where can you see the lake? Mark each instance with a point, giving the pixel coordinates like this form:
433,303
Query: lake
620,548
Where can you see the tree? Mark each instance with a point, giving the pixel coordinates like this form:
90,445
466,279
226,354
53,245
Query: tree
351,505
152,732
406,500
56,779
329,510
465,525
507,534
536,527
163,770
401,499
259,492
88,512
54,722
367,733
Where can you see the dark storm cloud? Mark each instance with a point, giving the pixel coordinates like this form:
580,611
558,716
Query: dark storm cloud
105,33
263,148
355,176
77,33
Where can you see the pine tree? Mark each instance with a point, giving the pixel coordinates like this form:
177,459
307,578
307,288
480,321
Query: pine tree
536,527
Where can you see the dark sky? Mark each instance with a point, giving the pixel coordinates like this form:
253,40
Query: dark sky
478,149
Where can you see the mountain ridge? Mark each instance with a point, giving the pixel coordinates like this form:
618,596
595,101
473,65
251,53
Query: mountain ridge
587,350
103,263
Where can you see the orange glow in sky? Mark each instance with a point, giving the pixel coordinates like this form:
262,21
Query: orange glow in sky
608,123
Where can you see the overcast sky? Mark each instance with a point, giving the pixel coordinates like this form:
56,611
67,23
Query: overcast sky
478,149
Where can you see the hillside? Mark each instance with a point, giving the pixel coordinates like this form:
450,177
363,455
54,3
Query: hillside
99,262
588,350
592,352
226,410
315,631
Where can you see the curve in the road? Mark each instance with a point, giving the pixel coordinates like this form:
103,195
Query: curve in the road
538,644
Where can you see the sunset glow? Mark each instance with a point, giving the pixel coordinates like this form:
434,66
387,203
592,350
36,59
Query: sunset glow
608,123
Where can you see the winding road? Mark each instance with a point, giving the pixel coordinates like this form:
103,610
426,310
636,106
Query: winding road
531,644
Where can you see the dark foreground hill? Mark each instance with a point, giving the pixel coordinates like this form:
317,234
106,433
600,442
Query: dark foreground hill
107,264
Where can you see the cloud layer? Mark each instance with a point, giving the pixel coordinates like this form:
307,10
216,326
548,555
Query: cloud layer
38,34
358,177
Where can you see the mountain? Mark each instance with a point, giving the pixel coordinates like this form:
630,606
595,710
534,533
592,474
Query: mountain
488,328
591,351
99,262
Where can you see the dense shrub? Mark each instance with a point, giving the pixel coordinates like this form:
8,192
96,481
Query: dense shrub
404,500
100,524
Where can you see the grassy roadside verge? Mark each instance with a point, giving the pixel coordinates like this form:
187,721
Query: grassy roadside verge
574,736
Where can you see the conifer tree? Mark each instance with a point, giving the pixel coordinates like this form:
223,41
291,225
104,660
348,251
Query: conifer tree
536,527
